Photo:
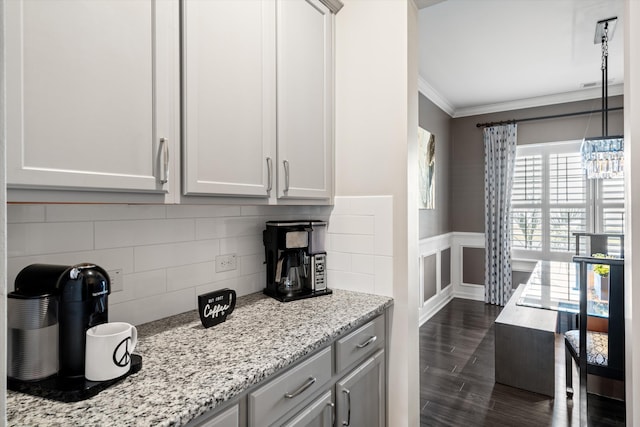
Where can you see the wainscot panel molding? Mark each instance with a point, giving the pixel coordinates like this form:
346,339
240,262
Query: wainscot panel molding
429,247
461,240
524,265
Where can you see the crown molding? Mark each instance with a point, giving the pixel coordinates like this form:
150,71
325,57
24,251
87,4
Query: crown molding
434,96
333,5
539,101
426,3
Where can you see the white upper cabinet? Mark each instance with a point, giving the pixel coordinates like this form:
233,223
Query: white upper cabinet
90,94
304,99
96,106
229,104
257,107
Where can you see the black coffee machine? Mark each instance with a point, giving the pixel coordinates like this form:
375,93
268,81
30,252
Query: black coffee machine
296,259
48,315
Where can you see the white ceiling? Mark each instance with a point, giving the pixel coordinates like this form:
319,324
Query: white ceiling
479,56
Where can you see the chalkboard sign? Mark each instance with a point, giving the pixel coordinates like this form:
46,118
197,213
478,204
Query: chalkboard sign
214,307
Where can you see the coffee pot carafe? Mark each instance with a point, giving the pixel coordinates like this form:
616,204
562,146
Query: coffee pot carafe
290,272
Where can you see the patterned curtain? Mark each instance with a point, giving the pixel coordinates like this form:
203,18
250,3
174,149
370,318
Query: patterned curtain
499,163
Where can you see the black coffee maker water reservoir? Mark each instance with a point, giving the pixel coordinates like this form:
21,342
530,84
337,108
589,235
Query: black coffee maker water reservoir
296,259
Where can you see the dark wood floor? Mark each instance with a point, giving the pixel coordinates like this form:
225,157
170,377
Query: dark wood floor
457,386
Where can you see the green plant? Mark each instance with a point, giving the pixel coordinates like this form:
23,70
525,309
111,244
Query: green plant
601,269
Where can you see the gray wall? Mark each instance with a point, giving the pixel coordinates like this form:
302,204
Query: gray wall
467,151
445,268
436,221
429,283
519,277
473,265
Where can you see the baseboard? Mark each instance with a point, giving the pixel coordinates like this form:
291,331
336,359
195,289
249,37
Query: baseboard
472,292
435,304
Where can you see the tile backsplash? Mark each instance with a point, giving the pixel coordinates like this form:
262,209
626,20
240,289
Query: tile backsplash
360,244
167,252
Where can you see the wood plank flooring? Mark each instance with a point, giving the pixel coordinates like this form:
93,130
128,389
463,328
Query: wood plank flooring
457,385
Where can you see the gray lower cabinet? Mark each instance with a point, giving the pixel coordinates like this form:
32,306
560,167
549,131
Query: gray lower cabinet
360,396
227,418
318,413
342,384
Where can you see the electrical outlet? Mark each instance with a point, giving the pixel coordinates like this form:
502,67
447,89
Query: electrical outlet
226,263
117,279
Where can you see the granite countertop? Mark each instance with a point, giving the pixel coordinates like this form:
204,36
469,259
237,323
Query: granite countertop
188,370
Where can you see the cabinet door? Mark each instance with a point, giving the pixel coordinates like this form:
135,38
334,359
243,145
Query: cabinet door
305,99
360,396
229,96
89,93
228,418
318,413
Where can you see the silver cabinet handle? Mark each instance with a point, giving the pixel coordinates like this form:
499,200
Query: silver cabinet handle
285,163
269,174
367,342
304,386
164,147
348,393
333,412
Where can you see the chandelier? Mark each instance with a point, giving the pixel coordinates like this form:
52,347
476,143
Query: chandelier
603,157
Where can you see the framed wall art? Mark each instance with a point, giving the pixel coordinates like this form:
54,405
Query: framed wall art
426,168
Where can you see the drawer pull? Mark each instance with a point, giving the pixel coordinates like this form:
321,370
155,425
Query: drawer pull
348,393
367,342
305,386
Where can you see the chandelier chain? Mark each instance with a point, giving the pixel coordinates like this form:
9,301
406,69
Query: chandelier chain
605,47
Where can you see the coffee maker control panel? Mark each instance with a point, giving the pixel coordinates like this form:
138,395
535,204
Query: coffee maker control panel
319,272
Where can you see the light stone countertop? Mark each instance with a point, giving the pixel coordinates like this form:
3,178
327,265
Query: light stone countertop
188,370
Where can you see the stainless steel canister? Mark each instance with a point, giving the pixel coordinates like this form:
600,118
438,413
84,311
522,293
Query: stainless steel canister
32,336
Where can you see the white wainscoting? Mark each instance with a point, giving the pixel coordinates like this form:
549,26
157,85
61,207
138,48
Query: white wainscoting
474,291
456,241
430,247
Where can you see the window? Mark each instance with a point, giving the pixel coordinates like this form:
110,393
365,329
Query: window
551,199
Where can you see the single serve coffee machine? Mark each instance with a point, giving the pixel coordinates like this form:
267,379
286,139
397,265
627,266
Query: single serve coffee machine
296,259
48,315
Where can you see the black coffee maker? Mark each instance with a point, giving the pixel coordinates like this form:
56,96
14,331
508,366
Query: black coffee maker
295,259
49,313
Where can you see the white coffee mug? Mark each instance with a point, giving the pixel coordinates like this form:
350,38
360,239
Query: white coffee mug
108,350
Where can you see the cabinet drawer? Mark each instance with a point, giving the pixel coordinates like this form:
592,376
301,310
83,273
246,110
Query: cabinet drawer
360,343
279,396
